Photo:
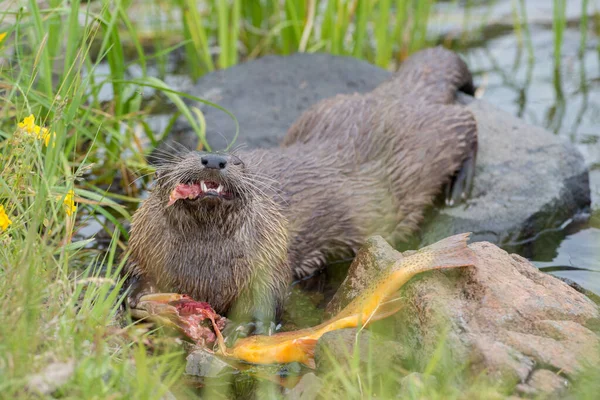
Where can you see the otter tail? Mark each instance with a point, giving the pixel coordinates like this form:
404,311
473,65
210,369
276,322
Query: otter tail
434,74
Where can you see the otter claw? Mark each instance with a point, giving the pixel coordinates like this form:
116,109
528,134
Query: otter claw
457,191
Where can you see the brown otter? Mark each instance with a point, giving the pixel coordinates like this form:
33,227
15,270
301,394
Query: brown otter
233,229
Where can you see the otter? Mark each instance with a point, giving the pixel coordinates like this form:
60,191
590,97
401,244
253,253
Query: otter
234,229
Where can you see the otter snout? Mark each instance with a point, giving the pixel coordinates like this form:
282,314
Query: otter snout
203,178
214,161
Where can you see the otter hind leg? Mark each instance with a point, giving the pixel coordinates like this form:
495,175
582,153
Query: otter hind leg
461,183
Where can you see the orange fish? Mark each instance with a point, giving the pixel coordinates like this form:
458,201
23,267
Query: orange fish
374,303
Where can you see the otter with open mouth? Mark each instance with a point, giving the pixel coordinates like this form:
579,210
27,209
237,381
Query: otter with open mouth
234,229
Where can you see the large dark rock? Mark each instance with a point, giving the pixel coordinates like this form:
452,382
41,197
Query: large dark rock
268,94
527,179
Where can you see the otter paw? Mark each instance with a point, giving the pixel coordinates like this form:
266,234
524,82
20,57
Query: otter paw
138,288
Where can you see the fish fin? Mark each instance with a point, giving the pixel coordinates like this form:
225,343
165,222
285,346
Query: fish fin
307,346
310,363
386,308
451,252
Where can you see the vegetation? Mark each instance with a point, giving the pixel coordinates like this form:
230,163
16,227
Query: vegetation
70,159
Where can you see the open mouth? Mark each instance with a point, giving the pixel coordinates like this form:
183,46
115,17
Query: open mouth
199,190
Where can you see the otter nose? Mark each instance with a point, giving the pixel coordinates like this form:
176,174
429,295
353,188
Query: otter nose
213,161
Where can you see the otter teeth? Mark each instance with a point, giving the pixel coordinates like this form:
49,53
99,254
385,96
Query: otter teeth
205,189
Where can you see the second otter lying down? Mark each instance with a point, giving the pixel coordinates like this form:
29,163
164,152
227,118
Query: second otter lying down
234,229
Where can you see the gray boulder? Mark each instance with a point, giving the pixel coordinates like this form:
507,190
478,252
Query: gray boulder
203,364
267,95
527,179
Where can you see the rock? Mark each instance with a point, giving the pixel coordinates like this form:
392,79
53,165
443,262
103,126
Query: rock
527,179
201,363
268,94
344,347
502,316
415,383
374,256
544,383
307,389
51,378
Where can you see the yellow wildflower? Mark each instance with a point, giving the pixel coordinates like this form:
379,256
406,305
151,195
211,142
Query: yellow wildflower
46,136
28,124
40,132
4,220
2,36
69,203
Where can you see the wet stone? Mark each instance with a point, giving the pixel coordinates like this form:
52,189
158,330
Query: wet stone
307,389
548,383
414,383
527,181
203,364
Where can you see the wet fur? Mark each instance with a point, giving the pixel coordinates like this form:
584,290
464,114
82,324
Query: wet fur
350,167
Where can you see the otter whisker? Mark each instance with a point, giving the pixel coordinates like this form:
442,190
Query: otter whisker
163,157
140,177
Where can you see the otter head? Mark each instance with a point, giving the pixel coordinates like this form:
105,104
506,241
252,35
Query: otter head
199,181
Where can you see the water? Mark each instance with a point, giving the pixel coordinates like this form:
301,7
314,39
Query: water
566,103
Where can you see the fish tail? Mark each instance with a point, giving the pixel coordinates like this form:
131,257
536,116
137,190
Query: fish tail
450,252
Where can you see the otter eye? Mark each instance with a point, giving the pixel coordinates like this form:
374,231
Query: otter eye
236,161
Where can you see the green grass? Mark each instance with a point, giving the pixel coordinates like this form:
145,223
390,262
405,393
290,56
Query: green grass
58,292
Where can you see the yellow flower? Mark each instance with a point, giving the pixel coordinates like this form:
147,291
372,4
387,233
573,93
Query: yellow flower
4,220
46,136
40,132
69,203
28,124
2,36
